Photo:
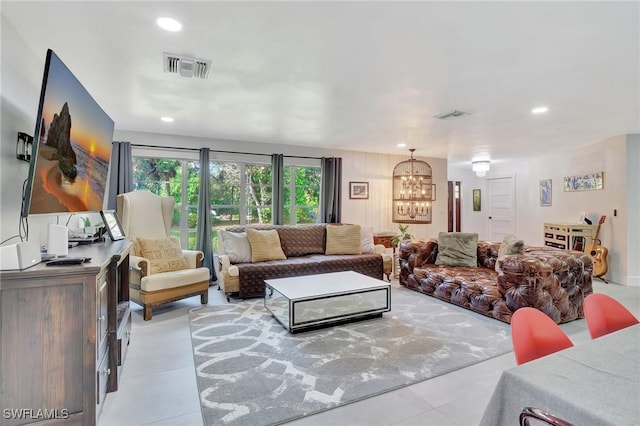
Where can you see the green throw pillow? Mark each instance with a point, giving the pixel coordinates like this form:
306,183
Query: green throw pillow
457,249
510,245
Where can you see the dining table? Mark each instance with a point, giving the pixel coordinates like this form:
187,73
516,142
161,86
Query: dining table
596,382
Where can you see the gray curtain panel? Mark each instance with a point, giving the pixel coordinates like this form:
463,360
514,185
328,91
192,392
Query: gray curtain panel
331,190
121,174
203,227
277,193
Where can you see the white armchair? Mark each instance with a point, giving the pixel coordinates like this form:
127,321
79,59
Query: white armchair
146,215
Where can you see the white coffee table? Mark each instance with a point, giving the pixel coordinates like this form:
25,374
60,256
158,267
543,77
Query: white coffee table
314,301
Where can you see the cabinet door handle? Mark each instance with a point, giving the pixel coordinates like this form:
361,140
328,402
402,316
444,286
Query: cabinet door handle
101,318
106,372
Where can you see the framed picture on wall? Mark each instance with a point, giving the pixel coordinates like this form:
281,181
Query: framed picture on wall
477,200
545,193
359,190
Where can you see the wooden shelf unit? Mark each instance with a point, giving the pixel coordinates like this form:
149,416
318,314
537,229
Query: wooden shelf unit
568,236
64,333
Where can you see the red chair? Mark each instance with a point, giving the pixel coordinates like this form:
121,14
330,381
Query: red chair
604,315
535,335
539,415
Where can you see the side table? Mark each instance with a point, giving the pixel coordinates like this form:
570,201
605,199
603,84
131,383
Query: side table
385,240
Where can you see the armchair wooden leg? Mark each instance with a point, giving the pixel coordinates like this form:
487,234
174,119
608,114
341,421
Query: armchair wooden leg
148,312
204,297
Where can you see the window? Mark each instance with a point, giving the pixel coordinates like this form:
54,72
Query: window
176,178
241,192
302,194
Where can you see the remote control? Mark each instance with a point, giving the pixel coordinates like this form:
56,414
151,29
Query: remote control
68,261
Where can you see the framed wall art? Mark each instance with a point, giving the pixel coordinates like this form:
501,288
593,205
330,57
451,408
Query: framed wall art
359,190
477,206
588,182
545,192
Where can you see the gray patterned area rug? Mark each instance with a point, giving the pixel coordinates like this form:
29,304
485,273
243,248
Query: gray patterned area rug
252,371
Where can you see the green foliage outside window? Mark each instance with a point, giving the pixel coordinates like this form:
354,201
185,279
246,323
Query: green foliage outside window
164,176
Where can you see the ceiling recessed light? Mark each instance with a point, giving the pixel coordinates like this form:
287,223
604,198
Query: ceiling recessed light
167,119
402,145
169,24
540,110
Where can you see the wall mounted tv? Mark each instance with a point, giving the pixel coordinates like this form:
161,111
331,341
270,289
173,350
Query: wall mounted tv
72,147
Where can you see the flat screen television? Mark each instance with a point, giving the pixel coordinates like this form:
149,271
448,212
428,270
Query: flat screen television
72,147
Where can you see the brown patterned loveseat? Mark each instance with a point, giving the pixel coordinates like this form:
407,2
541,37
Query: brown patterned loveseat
304,247
551,280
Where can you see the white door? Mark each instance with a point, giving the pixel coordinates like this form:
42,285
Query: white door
502,207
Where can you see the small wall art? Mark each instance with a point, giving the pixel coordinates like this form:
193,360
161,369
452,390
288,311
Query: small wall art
588,182
476,200
545,193
359,190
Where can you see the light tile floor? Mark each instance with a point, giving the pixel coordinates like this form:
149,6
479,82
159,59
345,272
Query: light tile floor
158,385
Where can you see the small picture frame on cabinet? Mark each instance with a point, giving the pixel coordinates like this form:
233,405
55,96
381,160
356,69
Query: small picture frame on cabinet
112,224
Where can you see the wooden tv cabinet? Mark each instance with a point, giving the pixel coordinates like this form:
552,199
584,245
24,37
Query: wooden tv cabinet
64,335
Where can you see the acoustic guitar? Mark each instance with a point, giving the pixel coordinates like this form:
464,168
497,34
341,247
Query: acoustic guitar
598,253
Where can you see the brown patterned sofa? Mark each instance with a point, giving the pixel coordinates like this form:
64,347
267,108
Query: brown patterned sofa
304,247
551,280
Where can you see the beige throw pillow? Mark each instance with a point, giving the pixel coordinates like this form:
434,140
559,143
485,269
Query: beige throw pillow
265,245
164,254
343,239
457,249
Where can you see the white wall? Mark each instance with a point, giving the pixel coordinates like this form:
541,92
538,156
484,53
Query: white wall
20,80
633,210
617,157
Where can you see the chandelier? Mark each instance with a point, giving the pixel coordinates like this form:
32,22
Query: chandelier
412,191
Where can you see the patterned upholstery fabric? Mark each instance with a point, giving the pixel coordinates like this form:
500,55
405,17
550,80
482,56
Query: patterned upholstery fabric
304,246
551,280
164,254
252,275
295,240
302,240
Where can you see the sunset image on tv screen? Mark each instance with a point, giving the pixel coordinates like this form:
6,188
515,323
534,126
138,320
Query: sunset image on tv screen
73,148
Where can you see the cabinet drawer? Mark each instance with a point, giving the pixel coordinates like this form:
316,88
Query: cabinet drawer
101,317
102,379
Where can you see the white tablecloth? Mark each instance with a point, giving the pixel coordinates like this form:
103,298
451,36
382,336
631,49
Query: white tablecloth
592,383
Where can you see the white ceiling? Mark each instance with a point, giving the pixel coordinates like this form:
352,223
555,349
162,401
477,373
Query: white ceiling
363,76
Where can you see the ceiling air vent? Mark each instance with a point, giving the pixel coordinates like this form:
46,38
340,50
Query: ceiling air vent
452,115
185,66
